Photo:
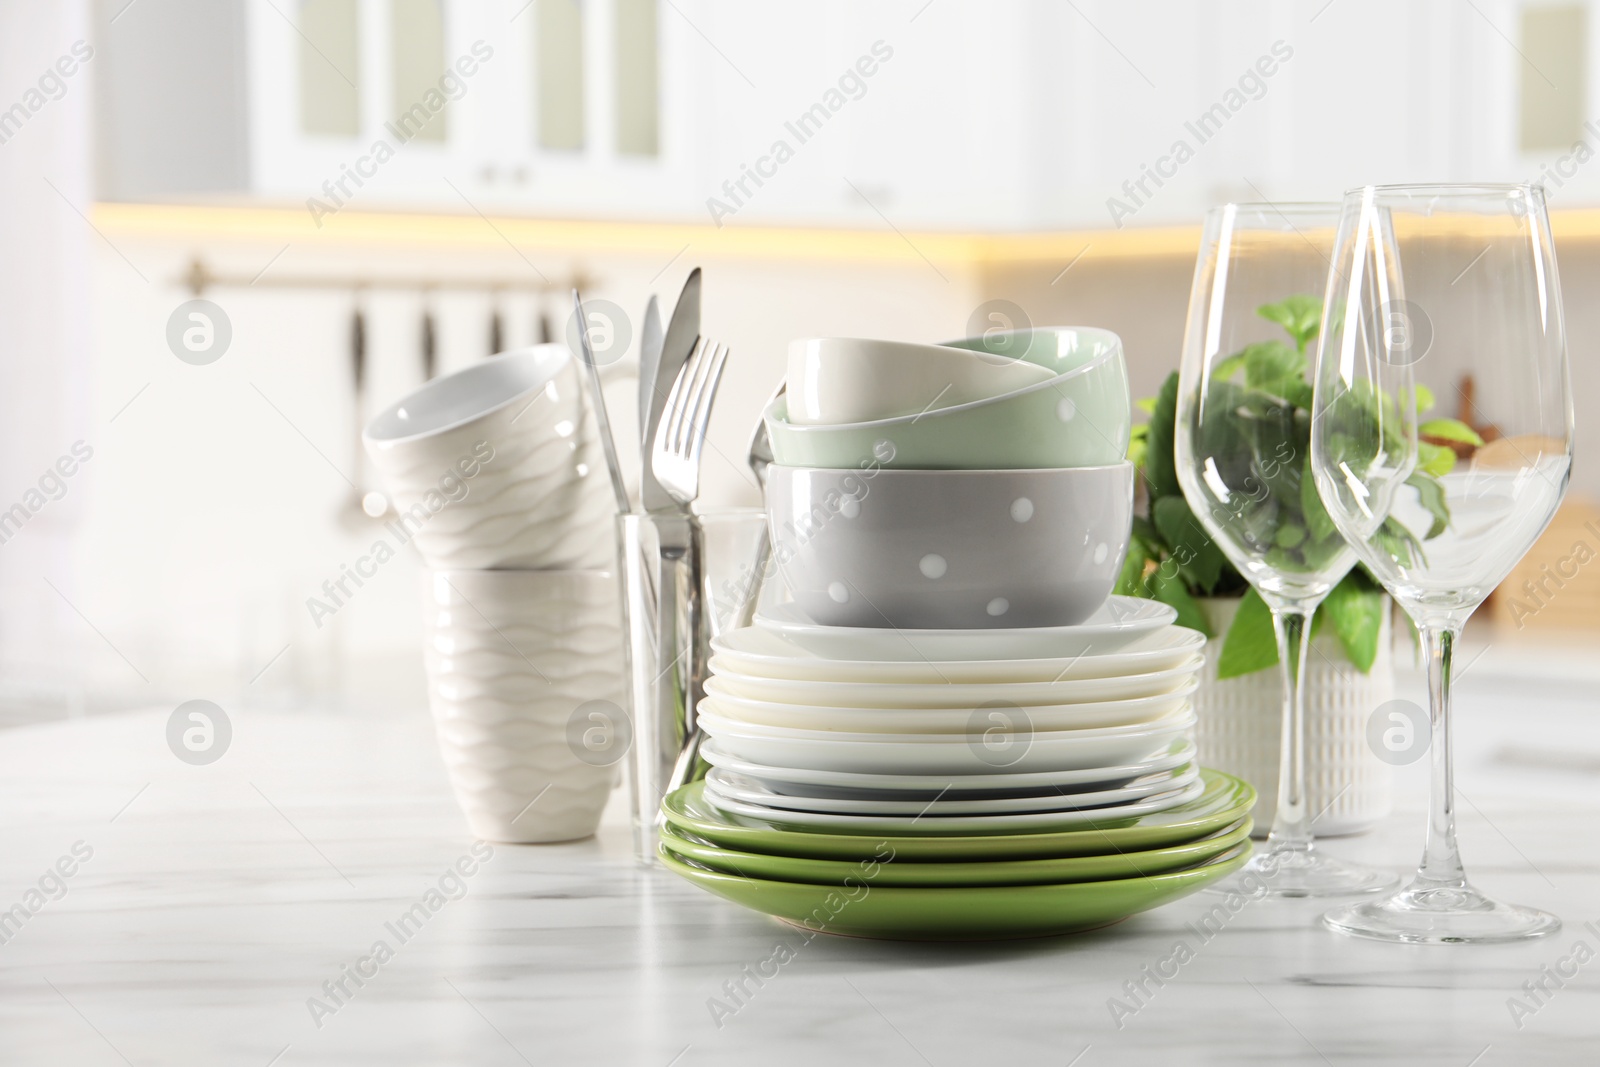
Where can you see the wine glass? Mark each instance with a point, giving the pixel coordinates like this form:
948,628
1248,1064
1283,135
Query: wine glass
1242,449
1447,291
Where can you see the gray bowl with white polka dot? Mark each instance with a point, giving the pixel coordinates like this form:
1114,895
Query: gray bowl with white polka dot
921,549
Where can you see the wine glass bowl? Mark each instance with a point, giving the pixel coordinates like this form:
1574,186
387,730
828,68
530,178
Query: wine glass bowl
1442,296
1241,449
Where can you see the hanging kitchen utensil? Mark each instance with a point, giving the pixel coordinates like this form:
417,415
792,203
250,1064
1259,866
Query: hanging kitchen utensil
363,505
430,339
497,326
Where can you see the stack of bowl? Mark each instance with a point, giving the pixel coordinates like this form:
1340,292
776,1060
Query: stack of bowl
952,687
996,470
498,479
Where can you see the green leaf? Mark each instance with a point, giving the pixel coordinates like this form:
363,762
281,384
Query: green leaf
1146,404
1355,609
1130,581
1451,430
1159,467
1398,542
1436,460
1251,644
1225,369
1198,558
1170,589
1300,315
1318,521
1431,495
1272,367
1289,535
1424,397
1138,448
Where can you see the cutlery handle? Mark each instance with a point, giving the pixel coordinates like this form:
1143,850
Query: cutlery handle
677,625
674,647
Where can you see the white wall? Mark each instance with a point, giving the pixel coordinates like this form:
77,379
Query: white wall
210,519
45,311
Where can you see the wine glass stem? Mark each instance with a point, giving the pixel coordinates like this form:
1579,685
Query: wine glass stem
1441,861
1291,824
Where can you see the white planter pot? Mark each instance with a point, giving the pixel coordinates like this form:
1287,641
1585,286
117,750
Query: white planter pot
1240,723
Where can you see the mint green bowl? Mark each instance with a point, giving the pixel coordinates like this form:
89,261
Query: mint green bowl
1080,418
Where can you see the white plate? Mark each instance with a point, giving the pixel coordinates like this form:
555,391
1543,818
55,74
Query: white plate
761,653
726,681
926,787
1122,619
992,753
961,824
721,784
1087,716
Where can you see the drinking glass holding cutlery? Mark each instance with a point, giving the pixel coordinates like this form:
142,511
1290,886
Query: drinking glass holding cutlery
662,567
1241,450
1433,286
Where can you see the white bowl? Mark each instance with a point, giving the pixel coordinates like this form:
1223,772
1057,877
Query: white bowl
498,466
941,695
950,548
519,663
834,380
1120,621
1043,717
758,652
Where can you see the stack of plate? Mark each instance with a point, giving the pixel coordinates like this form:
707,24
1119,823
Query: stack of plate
947,784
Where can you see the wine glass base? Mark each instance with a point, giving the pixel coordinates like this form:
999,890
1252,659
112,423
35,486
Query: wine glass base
1304,872
1440,915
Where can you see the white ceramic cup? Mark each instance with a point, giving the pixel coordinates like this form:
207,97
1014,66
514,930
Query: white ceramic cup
525,681
498,466
836,380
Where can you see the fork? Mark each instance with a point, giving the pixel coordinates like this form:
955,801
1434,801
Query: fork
760,458
675,460
681,437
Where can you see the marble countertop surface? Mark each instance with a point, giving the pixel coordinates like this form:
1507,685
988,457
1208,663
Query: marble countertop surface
177,914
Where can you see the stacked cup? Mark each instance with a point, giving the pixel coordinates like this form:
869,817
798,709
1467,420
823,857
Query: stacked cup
497,476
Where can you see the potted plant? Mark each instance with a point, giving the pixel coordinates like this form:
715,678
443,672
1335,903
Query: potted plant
1172,559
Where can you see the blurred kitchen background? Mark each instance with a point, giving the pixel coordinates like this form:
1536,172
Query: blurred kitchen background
420,182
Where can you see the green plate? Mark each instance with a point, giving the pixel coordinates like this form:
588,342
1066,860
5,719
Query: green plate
1004,872
1224,801
956,913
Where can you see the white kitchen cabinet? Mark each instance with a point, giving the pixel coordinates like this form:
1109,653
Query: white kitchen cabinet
1022,115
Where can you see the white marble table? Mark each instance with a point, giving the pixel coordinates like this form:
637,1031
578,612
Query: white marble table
218,900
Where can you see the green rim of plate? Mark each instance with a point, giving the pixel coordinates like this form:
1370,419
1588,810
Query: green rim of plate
1223,801
955,913
1056,870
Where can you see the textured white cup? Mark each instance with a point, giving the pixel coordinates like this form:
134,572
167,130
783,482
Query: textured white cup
526,681
1348,789
498,466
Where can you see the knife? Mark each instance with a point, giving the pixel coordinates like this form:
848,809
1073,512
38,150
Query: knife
678,664
682,333
649,359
